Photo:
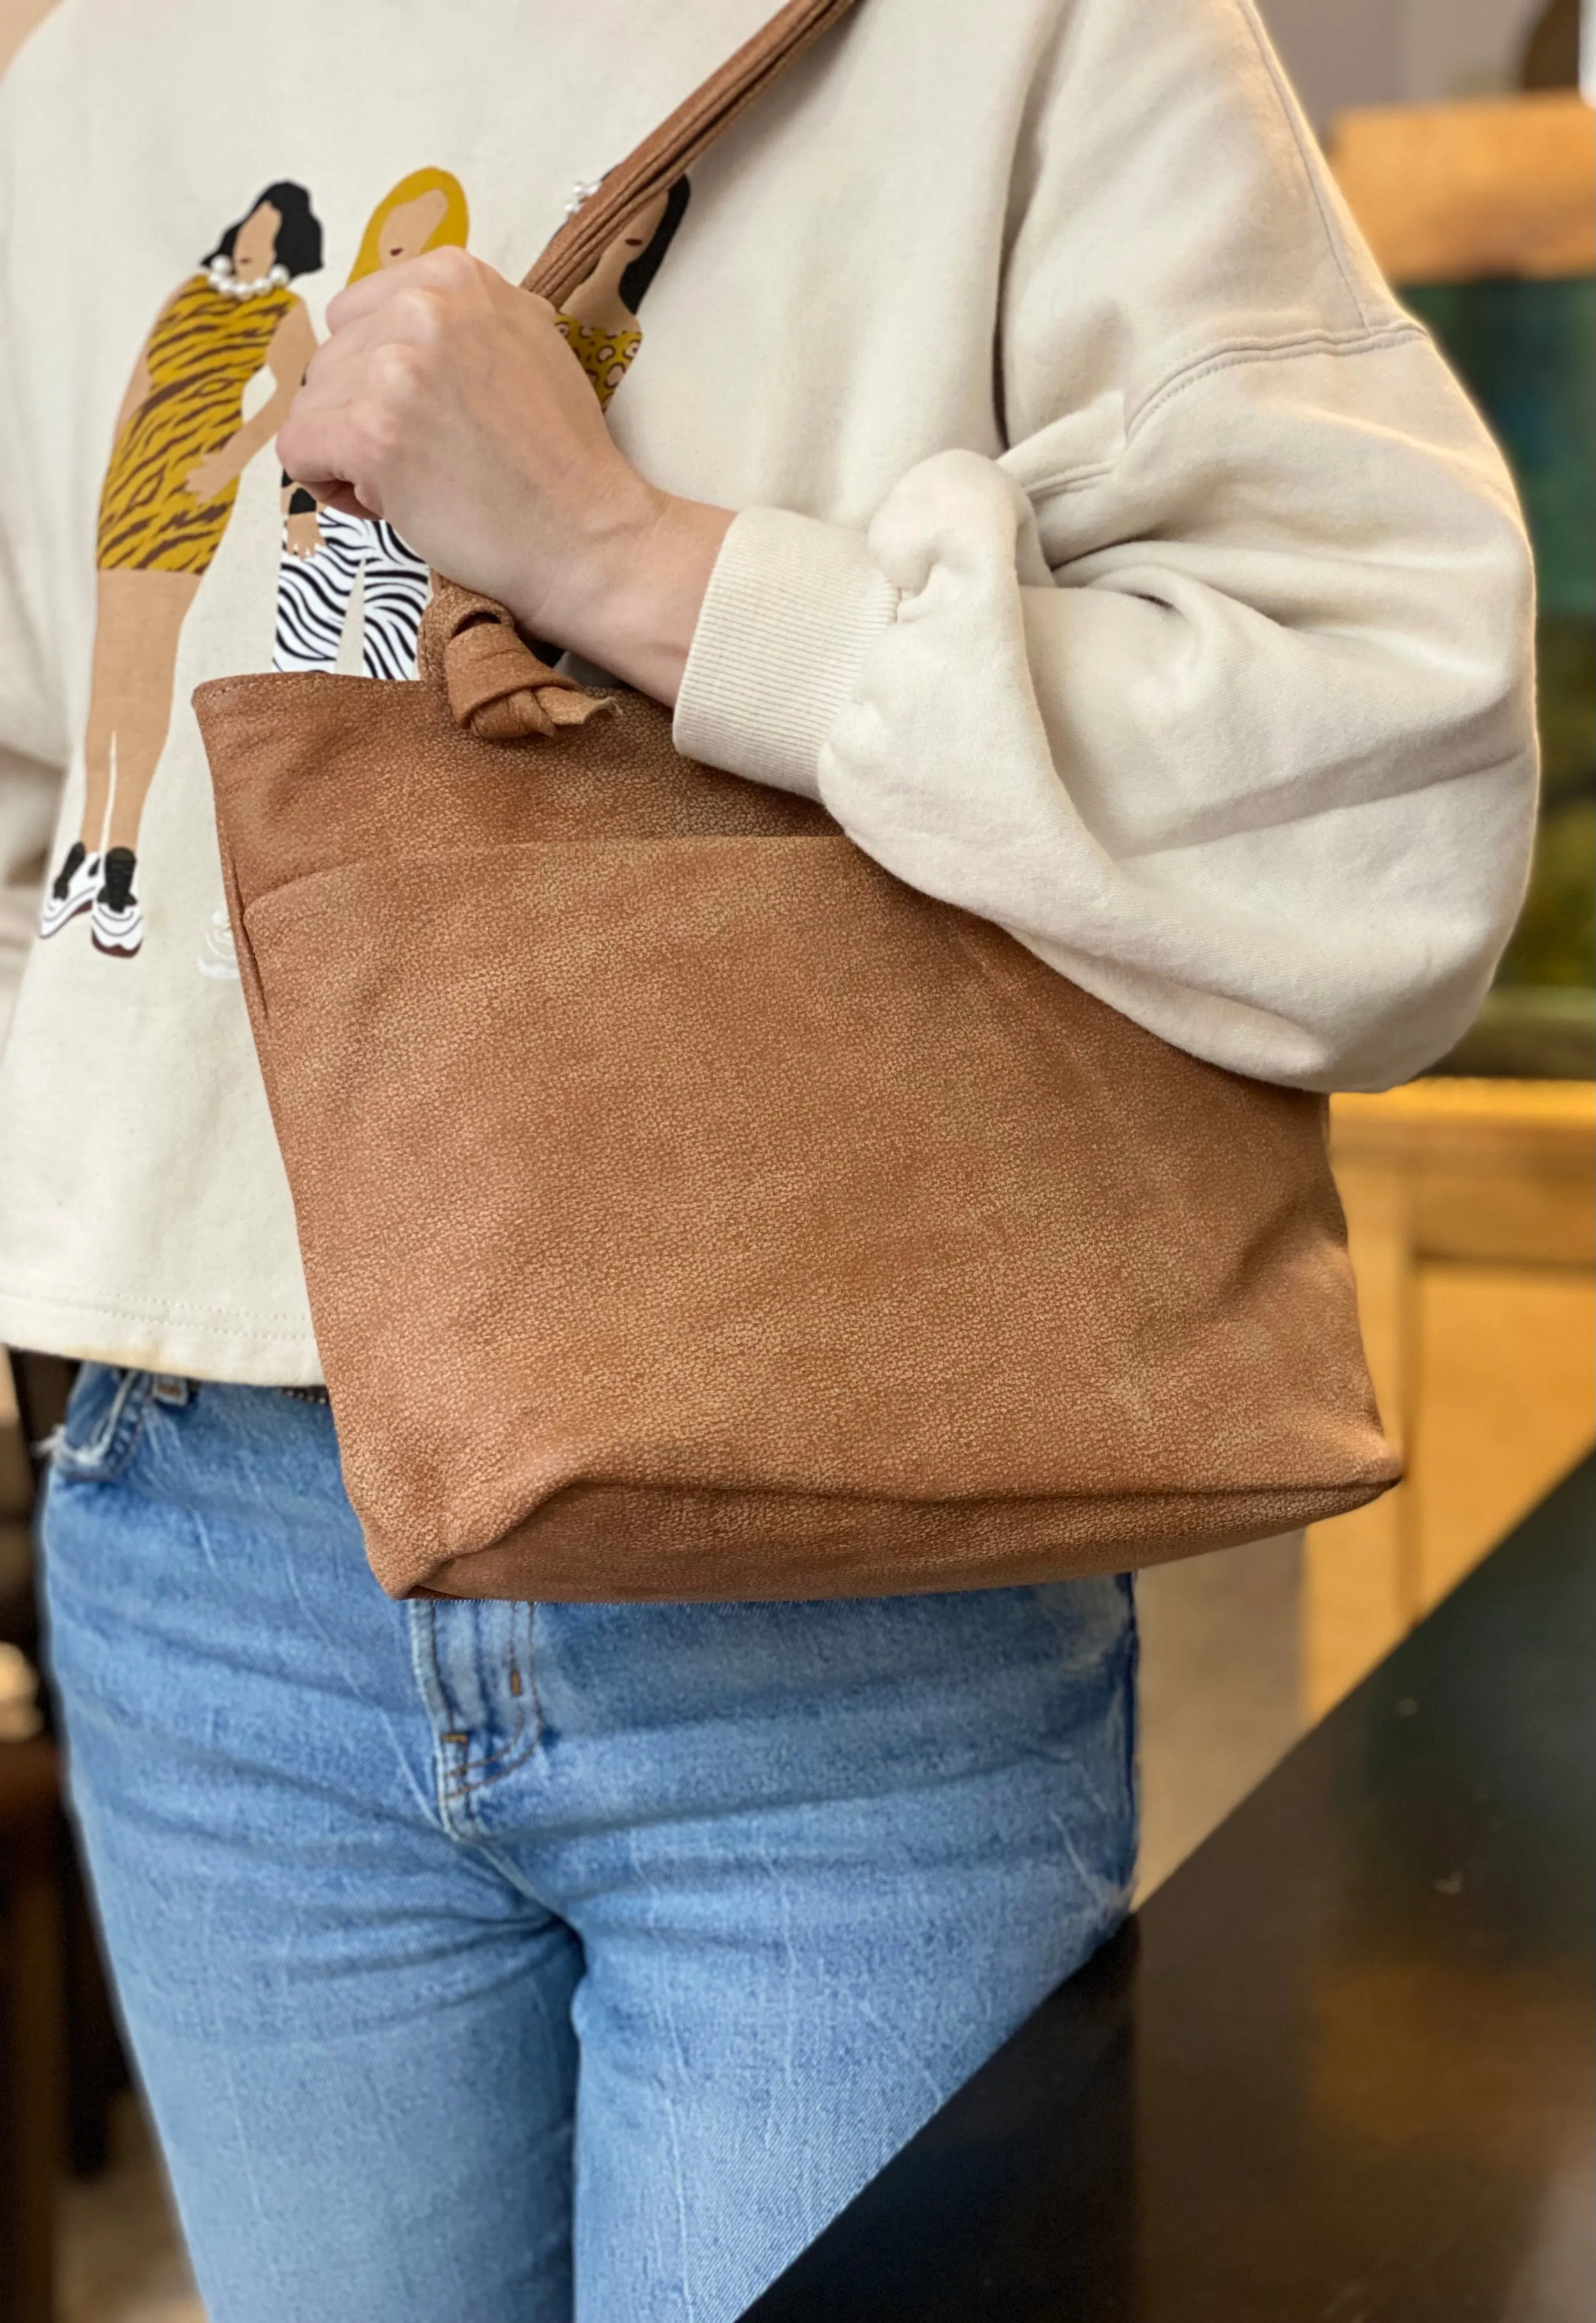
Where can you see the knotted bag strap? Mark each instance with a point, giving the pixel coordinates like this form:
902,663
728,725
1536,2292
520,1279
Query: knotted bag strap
496,685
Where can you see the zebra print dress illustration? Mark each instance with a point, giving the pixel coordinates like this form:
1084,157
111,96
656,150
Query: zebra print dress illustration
316,595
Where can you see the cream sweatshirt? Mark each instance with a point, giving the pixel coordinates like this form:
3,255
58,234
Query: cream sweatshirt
1115,557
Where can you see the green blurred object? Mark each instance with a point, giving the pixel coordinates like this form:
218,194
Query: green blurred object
1527,353
1537,1033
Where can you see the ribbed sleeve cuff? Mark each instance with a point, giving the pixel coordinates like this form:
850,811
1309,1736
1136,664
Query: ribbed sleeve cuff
793,607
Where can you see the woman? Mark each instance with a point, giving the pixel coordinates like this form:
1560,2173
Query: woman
1026,459
182,445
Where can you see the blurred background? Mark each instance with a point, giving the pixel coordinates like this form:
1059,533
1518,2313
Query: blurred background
1460,137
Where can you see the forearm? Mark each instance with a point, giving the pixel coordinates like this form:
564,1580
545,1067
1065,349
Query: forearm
242,446
138,388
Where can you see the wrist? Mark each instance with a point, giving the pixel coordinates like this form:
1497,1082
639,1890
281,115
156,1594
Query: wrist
632,605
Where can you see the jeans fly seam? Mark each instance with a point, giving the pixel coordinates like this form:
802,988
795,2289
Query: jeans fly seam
427,1673
514,1752
478,1774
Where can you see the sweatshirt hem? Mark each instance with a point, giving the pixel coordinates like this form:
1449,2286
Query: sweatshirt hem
140,1338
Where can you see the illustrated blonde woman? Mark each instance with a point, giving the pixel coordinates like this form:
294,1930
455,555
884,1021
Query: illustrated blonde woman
328,554
182,445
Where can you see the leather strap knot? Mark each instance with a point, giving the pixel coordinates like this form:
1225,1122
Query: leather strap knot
495,684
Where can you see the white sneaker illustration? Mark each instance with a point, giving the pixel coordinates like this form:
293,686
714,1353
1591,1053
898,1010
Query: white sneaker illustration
219,958
71,891
117,925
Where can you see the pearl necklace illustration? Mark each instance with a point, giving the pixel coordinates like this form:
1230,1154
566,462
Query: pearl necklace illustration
220,275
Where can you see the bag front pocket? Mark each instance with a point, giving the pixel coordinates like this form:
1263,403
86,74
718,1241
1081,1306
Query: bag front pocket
729,1166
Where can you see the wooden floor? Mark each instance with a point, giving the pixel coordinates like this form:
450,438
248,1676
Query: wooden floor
120,2257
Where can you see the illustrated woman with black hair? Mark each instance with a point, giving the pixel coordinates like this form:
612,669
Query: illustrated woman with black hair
182,445
600,319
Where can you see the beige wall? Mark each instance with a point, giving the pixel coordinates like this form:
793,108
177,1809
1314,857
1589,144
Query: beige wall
1349,52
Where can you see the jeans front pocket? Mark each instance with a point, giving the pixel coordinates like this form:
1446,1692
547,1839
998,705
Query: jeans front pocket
105,1417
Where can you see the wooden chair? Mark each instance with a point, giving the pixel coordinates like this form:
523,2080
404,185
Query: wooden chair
33,2026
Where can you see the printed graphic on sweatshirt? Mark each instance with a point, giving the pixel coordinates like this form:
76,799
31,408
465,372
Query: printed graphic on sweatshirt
600,319
181,444
336,567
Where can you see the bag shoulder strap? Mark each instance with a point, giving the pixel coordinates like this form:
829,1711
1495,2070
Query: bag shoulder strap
469,645
660,159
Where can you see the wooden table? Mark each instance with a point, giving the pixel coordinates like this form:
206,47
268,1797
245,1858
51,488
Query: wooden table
1340,2067
1472,1214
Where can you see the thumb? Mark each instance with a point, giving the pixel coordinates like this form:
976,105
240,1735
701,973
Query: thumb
342,497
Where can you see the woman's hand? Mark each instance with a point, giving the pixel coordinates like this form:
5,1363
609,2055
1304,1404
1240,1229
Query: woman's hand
302,535
446,401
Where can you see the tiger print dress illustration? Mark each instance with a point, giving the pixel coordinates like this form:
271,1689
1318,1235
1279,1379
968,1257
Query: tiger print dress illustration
203,351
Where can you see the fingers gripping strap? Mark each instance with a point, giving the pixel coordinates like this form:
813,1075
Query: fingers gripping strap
660,159
496,687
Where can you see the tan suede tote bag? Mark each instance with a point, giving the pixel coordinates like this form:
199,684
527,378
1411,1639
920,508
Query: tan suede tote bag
689,1209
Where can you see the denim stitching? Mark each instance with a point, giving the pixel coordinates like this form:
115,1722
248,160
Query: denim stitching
102,1459
474,1778
457,1782
429,1685
510,1755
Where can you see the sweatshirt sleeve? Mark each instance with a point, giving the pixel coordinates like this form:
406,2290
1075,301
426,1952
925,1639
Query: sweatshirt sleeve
1215,689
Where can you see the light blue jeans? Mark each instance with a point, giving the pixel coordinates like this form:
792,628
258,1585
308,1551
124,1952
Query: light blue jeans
503,1963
